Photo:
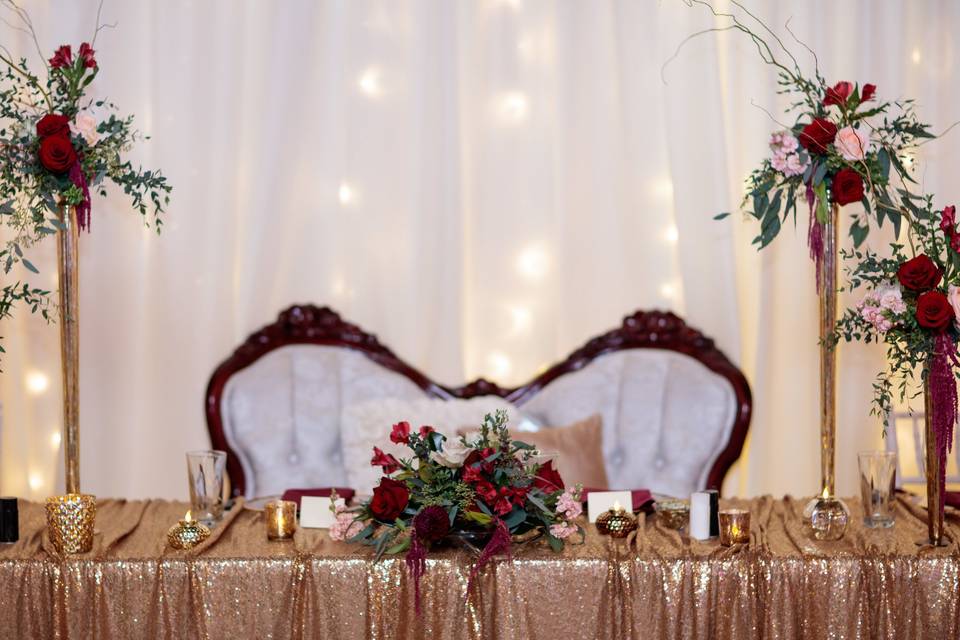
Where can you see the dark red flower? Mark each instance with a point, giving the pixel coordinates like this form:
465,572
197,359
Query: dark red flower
62,57
934,311
432,523
477,456
57,154
400,433
486,491
955,242
868,91
53,124
919,274
425,431
817,135
847,187
384,460
472,473
948,219
838,94
389,500
86,54
548,479
519,495
502,506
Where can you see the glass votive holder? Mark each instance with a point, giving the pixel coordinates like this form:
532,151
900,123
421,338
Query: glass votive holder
673,514
734,527
281,518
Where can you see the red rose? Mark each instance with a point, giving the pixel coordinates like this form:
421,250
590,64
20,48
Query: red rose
425,431
548,479
934,311
53,124
400,433
838,94
817,135
57,154
86,54
919,274
948,219
385,460
62,57
432,523
868,91
389,500
847,186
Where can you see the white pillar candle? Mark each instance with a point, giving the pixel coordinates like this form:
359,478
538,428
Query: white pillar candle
700,515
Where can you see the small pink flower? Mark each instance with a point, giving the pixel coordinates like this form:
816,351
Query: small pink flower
562,530
345,526
568,505
853,144
85,125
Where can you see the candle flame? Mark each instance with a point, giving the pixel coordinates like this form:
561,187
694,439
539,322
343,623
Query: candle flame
826,493
616,506
188,517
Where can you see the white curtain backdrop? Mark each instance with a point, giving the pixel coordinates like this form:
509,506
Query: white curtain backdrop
484,184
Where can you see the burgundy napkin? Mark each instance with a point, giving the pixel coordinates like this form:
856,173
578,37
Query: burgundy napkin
952,498
642,498
322,492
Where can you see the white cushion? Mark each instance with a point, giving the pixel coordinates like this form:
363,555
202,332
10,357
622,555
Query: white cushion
666,417
367,424
281,415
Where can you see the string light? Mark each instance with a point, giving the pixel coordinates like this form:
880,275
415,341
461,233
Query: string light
35,480
347,194
37,382
55,440
370,82
915,56
671,235
668,290
513,107
521,318
499,365
533,263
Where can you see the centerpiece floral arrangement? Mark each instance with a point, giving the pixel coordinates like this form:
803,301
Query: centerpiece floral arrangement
483,487
56,148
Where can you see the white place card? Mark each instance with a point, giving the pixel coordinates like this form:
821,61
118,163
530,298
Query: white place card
315,512
600,501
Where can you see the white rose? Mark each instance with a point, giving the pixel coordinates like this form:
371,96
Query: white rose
85,125
453,455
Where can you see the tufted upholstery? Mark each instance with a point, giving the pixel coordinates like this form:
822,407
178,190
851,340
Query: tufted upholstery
675,409
282,414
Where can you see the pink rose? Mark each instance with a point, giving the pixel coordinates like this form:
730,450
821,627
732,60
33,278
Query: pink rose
85,125
954,296
853,144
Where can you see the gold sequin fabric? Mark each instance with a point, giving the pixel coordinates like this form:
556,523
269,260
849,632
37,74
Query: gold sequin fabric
654,584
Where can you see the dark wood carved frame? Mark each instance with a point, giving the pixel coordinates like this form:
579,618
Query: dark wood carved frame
308,324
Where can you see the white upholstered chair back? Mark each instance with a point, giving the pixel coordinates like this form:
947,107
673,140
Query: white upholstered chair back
671,423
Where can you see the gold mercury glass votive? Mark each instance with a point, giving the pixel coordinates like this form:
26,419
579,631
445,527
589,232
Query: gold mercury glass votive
70,522
616,522
734,527
673,514
187,533
281,518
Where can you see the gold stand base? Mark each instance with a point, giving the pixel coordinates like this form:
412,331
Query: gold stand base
70,521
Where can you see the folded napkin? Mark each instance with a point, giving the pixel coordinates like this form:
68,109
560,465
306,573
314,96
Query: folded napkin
952,498
322,492
642,499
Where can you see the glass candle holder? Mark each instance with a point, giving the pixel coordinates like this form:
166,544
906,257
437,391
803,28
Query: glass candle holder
281,519
187,533
673,514
734,527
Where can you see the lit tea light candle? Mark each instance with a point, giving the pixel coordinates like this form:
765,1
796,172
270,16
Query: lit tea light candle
281,518
187,533
734,527
616,522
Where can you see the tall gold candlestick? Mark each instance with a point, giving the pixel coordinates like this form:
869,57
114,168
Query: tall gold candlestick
68,258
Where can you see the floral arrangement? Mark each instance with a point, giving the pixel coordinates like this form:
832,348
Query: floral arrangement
483,486
845,146
56,147
912,305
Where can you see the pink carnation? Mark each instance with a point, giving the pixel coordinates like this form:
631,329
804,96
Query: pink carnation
562,530
568,505
345,526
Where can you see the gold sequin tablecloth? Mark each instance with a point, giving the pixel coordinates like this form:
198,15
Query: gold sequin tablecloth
871,584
